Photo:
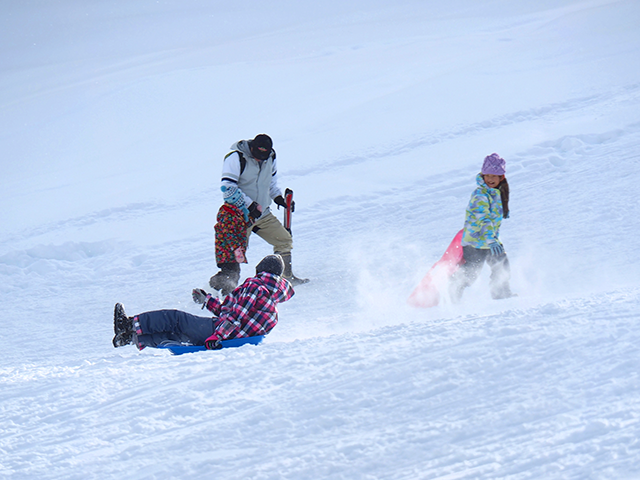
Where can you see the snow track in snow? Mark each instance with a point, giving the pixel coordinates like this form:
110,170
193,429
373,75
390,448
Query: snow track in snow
558,378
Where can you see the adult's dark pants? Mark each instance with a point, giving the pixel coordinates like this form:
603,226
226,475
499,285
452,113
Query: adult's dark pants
467,273
154,328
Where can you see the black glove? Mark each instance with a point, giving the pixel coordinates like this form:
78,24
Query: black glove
210,344
281,202
255,210
199,296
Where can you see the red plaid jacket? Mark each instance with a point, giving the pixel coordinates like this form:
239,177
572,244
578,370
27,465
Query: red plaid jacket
250,309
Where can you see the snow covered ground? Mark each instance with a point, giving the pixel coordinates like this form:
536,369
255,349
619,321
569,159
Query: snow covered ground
114,118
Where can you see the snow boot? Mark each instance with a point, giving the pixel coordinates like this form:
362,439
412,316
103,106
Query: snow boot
226,279
288,271
503,294
122,327
121,323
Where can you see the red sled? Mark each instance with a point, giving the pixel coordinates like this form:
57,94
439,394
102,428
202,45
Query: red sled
427,293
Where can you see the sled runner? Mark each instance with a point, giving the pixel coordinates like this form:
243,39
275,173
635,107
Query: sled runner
427,293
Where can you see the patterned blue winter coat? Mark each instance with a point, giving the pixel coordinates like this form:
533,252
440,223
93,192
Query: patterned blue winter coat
484,216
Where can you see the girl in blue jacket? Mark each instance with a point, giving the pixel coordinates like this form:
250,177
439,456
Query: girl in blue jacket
489,204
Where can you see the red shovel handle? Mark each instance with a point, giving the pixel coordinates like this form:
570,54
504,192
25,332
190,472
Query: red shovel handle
288,198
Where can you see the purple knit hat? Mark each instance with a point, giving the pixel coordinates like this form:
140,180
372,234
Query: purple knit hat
494,164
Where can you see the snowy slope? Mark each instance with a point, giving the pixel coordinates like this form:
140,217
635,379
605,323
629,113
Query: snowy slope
114,121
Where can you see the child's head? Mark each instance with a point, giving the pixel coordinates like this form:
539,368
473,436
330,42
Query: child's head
493,181
493,170
271,264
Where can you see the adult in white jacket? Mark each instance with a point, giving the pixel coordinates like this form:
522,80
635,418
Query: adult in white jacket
251,168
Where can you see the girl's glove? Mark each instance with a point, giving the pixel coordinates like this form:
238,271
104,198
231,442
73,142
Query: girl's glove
199,296
496,248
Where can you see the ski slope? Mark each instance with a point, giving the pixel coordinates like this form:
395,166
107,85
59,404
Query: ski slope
114,121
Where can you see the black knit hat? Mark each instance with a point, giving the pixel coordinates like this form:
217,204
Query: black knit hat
261,146
271,264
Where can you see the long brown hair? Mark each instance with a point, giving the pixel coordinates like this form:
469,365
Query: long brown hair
503,186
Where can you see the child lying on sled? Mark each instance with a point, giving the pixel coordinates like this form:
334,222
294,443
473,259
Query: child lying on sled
249,310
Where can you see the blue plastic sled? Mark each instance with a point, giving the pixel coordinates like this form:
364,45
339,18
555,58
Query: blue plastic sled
179,349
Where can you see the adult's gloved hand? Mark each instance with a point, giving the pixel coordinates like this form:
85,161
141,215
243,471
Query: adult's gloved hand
507,215
496,248
281,202
199,296
255,210
212,343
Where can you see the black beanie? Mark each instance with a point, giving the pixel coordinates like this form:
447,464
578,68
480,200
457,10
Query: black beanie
261,146
271,264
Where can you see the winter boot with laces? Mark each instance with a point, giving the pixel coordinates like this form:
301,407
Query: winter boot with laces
122,327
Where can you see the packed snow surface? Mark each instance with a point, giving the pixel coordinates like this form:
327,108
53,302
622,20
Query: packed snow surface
114,119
